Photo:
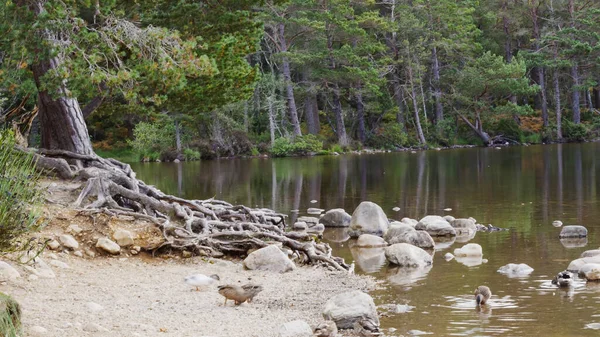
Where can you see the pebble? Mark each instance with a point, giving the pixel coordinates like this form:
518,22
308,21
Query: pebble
447,209
396,209
75,229
94,327
53,244
93,307
313,201
68,241
59,264
123,238
38,330
78,253
557,223
108,246
8,272
185,254
448,256
90,253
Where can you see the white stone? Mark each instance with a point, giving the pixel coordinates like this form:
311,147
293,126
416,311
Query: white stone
448,209
448,256
436,226
369,240
90,253
591,271
53,244
68,241
577,264
75,229
514,269
401,232
469,250
346,308
78,253
368,218
557,223
313,201
59,264
297,328
108,246
8,272
314,210
269,258
409,221
590,253
93,307
396,209
37,330
299,226
124,238
407,255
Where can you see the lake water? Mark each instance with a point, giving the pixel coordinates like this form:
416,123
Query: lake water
520,188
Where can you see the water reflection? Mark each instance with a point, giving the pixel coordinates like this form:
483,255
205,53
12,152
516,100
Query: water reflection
521,188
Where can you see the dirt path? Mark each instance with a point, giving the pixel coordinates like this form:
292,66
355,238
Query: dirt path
139,296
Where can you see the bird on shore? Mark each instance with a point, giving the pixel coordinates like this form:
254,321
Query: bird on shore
482,295
367,327
239,294
563,279
326,329
201,280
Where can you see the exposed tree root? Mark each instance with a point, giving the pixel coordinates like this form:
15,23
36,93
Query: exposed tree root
207,227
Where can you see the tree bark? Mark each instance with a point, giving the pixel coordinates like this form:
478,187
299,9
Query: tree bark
399,97
596,99
415,107
557,103
339,118
539,71
437,91
576,94
292,111
177,135
311,110
360,115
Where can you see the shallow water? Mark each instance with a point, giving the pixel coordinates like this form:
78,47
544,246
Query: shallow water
521,188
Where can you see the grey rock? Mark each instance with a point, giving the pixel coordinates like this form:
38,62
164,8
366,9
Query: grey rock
369,241
577,264
590,253
515,270
590,271
8,272
269,258
75,229
573,231
407,255
436,227
469,250
368,218
336,217
407,234
53,244
557,223
313,210
299,226
78,253
297,328
448,218
108,246
346,308
68,241
409,221
123,238
310,220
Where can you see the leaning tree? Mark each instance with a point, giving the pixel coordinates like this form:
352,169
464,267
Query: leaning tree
59,51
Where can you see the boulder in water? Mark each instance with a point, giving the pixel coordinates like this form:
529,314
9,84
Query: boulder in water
368,218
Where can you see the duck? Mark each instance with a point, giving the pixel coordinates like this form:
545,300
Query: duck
563,279
367,327
482,295
325,329
239,294
201,280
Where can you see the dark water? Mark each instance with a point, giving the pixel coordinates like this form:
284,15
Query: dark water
521,188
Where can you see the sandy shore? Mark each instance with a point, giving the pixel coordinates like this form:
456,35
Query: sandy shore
139,296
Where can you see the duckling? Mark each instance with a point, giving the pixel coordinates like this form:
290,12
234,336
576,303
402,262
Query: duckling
201,280
563,279
367,327
482,294
326,329
239,294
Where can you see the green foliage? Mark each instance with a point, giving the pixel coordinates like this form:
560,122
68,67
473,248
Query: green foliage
20,197
126,155
301,145
445,131
10,316
389,136
152,138
190,154
574,132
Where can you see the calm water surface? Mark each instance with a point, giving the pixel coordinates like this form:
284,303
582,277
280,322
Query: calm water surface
521,188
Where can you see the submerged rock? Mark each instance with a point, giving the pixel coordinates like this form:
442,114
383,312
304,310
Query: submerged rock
514,269
469,250
369,260
368,218
573,231
349,307
406,276
369,241
336,217
407,255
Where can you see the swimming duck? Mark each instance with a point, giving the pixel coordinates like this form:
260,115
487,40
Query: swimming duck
239,294
326,329
367,327
201,280
563,279
482,294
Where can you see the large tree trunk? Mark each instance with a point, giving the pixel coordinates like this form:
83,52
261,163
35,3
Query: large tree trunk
539,71
339,118
292,111
399,97
596,99
557,104
437,91
61,120
360,115
576,97
177,135
311,109
415,107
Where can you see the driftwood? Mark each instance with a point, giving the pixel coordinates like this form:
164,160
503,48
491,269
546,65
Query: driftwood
210,227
